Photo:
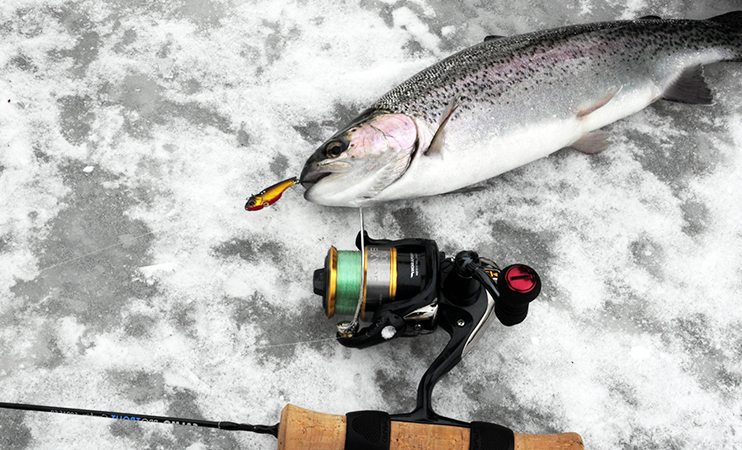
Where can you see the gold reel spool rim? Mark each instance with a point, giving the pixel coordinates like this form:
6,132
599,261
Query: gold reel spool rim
332,256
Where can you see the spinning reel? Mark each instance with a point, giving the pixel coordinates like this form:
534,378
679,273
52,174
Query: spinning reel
408,288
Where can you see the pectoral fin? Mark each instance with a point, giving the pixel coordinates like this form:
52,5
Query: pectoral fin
437,142
690,87
592,143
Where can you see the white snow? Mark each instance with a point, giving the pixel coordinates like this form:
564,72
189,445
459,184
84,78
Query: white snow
132,279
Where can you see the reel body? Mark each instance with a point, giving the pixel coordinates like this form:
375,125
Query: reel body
409,287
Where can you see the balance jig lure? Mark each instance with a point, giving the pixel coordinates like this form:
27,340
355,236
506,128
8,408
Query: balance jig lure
269,195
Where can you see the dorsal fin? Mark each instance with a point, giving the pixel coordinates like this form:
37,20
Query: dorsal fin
690,87
493,37
650,18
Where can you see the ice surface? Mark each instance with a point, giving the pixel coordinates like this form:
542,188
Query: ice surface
132,279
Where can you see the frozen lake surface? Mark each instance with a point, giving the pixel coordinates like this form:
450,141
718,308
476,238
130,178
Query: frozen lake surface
132,279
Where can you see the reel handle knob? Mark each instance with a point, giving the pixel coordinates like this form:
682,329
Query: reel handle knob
519,285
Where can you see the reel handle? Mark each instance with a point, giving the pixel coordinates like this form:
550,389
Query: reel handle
301,429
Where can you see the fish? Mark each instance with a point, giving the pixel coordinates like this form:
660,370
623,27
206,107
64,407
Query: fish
508,101
269,195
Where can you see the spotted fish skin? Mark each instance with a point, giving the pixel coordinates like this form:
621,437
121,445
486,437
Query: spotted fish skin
508,101
504,69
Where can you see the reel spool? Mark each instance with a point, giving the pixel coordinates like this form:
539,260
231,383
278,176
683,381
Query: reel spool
388,273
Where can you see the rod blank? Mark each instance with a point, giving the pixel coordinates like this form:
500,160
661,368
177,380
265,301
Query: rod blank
231,426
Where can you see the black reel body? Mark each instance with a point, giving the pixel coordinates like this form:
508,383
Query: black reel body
411,288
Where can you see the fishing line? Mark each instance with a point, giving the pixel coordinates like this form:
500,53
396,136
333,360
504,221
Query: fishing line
348,281
100,250
293,343
350,287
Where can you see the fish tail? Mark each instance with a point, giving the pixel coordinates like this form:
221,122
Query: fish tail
732,21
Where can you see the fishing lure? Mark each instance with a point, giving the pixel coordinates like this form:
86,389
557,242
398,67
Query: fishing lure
269,195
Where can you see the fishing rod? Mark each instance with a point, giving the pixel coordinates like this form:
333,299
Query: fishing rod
303,429
391,289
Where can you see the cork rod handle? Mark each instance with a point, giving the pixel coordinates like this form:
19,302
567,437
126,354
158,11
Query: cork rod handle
301,429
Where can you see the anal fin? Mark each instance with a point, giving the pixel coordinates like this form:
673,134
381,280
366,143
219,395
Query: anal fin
592,143
689,87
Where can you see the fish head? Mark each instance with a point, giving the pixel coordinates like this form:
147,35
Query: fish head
361,160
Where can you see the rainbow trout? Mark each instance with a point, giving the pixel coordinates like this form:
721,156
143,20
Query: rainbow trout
511,100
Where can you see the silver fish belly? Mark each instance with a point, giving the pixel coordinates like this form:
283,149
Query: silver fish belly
508,101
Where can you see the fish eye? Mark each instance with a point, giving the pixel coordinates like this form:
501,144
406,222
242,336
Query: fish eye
334,149
252,202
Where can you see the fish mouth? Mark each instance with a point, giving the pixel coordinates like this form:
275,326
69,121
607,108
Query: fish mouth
314,172
310,178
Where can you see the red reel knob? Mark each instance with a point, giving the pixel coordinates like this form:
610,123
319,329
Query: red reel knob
518,285
520,278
